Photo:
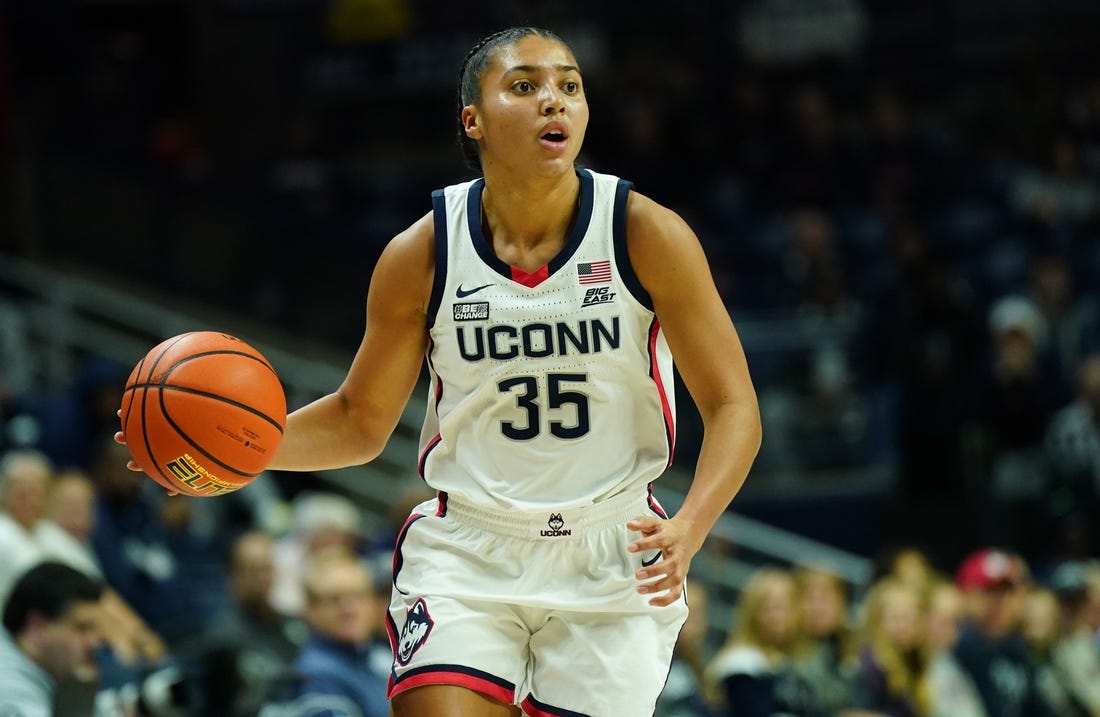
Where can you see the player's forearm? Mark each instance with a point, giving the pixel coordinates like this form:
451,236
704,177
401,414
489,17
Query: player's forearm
326,434
730,443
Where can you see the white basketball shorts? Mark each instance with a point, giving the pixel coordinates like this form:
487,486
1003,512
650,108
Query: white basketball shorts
539,610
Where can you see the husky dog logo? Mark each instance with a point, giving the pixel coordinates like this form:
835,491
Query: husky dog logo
556,523
418,623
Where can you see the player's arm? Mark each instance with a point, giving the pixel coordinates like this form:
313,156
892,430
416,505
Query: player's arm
670,263
351,425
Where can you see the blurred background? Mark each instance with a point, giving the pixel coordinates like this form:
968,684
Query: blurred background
899,202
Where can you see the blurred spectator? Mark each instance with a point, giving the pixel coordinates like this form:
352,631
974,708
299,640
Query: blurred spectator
1072,447
51,631
26,536
828,661
1041,628
1076,657
319,520
753,670
686,692
908,563
1017,403
237,657
951,690
71,508
990,648
1072,319
262,507
339,668
72,503
133,545
1057,191
892,657
73,418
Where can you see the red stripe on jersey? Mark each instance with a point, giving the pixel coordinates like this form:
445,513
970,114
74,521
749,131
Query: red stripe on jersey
654,504
655,372
530,279
446,677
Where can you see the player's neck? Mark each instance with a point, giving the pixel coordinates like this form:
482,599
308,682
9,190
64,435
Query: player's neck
527,215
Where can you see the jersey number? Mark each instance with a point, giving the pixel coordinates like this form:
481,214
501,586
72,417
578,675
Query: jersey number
556,397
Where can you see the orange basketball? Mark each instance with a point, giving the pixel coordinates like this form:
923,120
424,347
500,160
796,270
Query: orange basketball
203,413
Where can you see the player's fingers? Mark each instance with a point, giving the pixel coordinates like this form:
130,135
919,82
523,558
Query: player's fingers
120,437
643,524
665,591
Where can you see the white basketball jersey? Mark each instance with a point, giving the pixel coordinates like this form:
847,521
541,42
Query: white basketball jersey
551,389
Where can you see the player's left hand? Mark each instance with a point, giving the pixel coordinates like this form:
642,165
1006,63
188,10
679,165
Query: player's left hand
663,579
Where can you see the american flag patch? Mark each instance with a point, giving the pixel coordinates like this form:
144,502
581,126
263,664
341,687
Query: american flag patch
594,272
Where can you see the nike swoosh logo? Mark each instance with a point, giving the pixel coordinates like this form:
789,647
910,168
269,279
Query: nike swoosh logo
647,563
460,293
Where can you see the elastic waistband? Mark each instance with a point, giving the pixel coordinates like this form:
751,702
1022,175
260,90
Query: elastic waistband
551,523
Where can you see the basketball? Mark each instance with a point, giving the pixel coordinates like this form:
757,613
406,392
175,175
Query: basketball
203,413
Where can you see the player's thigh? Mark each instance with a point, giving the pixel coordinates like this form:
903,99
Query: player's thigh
602,664
448,701
477,645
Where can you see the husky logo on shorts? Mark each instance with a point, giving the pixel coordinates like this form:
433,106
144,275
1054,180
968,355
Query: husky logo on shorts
556,523
418,623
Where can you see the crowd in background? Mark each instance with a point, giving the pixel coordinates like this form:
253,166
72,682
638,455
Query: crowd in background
931,210
911,196
282,608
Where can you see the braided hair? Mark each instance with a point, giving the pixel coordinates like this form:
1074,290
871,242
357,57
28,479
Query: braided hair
473,68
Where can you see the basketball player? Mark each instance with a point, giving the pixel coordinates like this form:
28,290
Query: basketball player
548,302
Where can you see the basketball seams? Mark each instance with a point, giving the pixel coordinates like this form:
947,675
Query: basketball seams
217,352
215,396
195,444
144,398
162,424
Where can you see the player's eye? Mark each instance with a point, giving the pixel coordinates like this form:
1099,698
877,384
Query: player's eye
523,86
571,86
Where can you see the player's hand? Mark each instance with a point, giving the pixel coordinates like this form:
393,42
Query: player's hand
664,579
120,438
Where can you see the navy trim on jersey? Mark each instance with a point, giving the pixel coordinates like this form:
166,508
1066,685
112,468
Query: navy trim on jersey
585,203
398,558
439,215
544,708
622,255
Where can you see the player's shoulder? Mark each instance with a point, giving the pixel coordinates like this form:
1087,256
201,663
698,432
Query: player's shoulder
407,263
647,217
417,240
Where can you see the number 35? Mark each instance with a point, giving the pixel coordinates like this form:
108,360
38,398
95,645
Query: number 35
527,390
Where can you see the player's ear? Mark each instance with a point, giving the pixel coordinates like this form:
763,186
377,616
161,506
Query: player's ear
471,122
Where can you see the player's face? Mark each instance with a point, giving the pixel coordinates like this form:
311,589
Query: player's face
533,111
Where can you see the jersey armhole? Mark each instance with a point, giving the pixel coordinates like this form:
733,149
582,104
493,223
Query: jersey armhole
622,255
439,216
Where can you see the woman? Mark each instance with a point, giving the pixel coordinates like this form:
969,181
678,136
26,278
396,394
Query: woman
547,301
754,670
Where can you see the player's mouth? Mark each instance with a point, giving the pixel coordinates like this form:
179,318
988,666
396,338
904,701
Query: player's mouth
554,136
